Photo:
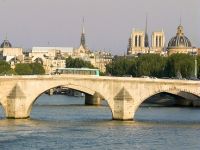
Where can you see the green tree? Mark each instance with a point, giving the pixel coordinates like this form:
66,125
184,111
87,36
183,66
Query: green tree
198,66
37,68
150,65
23,69
153,65
116,67
180,63
120,66
5,68
77,63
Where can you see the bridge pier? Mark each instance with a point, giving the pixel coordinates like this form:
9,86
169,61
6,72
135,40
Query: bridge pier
16,109
16,104
93,99
123,106
51,91
122,111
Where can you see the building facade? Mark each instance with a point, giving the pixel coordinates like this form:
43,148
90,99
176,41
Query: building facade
177,44
50,57
139,43
158,42
10,54
100,59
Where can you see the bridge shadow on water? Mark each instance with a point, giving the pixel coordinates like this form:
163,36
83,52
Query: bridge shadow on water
62,107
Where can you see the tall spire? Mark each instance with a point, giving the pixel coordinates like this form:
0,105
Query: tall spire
146,24
83,35
146,39
83,29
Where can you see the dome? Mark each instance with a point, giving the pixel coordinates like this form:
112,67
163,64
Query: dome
6,44
180,40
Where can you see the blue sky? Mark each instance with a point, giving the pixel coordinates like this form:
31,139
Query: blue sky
108,23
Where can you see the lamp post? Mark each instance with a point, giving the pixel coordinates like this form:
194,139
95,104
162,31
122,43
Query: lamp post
124,64
194,53
195,66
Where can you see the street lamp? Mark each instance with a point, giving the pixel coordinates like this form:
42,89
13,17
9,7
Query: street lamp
194,53
195,66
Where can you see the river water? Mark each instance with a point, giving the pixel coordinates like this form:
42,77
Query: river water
62,122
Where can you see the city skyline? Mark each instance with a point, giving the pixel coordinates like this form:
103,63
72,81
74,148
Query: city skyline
108,24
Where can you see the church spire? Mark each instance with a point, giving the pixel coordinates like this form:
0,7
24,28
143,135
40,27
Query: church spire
83,35
146,23
146,39
83,29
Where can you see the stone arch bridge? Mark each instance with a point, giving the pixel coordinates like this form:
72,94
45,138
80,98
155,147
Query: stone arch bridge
123,94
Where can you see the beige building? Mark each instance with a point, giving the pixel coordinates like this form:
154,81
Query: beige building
198,52
50,65
138,43
51,57
100,59
11,54
50,52
158,42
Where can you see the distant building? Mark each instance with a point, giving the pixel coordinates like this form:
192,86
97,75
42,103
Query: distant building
83,50
11,54
158,42
50,57
51,51
139,42
55,57
98,59
198,52
180,43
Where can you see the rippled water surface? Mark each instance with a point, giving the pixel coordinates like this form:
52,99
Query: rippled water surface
61,122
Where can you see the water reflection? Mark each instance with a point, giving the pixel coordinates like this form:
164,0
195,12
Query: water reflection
60,122
1,112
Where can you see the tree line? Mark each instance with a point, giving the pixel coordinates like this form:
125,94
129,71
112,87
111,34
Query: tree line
176,65
77,63
21,69
154,65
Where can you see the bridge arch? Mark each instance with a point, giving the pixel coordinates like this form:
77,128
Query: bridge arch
174,91
80,88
